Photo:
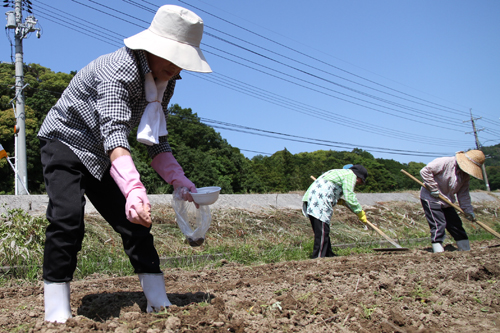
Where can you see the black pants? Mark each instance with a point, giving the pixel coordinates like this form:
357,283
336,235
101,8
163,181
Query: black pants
440,218
322,244
66,181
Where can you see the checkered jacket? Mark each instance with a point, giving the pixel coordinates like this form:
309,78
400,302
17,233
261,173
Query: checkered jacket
101,105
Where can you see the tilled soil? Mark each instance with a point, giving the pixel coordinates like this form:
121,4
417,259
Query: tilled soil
413,291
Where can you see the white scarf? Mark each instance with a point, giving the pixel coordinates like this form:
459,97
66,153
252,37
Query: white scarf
153,123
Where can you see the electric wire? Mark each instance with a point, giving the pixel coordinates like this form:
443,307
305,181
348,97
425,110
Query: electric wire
309,56
11,45
72,28
115,10
285,74
321,92
321,114
460,112
493,122
145,8
337,84
343,144
117,17
289,58
257,152
140,6
329,145
134,3
434,142
316,68
79,18
114,40
435,117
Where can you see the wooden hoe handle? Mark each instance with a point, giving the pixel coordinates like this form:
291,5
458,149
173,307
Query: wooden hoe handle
482,225
384,235
442,197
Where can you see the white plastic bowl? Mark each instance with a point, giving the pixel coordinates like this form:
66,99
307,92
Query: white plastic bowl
206,195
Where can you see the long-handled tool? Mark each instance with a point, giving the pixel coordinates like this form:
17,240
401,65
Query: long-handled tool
386,237
397,246
443,198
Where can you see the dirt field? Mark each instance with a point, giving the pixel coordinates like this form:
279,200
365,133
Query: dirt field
414,291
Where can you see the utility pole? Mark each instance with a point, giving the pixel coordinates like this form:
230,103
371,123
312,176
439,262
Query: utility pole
478,145
21,31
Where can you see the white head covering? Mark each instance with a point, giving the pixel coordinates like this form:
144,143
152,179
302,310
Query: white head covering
174,35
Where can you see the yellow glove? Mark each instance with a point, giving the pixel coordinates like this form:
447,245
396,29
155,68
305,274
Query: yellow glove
362,216
341,202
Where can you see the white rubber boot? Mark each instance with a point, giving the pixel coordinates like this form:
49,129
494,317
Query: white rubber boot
153,285
56,299
463,245
437,247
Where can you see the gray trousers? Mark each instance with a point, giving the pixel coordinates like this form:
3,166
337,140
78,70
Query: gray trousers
441,219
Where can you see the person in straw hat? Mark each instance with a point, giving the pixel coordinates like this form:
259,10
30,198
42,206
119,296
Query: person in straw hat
449,176
85,151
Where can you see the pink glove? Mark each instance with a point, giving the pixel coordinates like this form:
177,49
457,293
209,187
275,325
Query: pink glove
169,169
137,208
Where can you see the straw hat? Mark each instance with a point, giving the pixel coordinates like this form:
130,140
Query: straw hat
471,162
174,35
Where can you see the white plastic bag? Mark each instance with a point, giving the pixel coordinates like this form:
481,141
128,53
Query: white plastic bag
193,222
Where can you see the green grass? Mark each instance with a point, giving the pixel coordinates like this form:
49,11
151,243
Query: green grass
244,237
368,311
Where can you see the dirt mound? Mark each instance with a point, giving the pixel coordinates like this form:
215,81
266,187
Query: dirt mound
414,291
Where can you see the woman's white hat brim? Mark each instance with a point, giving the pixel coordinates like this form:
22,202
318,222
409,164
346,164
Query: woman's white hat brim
183,55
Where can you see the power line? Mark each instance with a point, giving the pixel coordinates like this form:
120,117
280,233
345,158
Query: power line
79,18
433,115
318,140
253,151
326,94
294,138
70,25
149,10
319,113
115,10
109,14
452,110
310,66
331,82
142,6
311,57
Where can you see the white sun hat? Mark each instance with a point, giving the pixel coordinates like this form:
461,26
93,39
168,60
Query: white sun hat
174,35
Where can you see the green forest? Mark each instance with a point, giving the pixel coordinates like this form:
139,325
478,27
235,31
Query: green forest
207,158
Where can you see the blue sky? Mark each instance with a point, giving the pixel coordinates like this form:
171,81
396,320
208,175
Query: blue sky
396,78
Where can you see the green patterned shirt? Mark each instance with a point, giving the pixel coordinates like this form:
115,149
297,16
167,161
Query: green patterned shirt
325,191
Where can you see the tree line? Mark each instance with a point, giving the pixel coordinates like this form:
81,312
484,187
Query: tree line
206,157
